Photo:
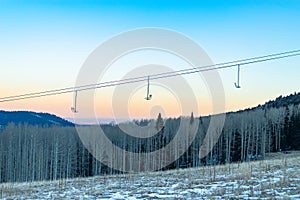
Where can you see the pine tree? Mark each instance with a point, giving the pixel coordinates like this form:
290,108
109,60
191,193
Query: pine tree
159,122
192,118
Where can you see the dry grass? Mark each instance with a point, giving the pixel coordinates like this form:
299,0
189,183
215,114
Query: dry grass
278,177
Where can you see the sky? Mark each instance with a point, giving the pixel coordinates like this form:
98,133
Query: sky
43,45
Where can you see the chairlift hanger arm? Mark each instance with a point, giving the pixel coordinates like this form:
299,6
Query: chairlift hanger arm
149,96
237,84
74,108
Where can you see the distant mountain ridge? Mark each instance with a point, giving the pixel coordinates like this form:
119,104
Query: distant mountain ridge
32,118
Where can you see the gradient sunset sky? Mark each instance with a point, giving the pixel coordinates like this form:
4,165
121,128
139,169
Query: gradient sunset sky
43,45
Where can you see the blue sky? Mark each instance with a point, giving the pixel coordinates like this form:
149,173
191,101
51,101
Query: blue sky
44,43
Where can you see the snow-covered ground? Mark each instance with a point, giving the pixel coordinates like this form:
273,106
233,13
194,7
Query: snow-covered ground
277,178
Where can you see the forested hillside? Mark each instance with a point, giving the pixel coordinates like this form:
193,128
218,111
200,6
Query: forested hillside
31,118
29,153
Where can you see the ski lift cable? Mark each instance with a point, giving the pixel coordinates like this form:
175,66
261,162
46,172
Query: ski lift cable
181,72
165,73
130,80
195,70
224,65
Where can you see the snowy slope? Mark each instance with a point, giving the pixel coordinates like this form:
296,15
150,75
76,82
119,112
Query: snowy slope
278,177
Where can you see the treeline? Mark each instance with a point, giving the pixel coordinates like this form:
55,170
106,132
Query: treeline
29,153
252,134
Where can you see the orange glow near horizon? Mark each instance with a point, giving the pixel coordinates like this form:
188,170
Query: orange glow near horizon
58,105
61,105
136,106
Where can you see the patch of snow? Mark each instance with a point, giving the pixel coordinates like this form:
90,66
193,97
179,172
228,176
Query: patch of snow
161,195
117,196
202,192
172,184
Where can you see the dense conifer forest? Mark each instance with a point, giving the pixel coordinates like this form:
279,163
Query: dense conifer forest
41,152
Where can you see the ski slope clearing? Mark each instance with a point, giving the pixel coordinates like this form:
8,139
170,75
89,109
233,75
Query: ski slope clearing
277,177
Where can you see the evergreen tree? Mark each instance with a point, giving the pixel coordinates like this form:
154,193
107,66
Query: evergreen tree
192,118
159,122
